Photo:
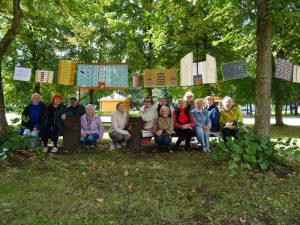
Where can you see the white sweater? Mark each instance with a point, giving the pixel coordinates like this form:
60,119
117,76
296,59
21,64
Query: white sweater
148,115
118,122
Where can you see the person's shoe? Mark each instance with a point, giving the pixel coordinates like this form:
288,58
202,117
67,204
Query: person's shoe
208,150
54,149
204,149
45,149
112,146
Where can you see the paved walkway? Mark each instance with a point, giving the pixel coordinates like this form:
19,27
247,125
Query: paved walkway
292,121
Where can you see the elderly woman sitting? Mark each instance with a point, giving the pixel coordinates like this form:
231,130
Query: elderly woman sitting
230,116
117,132
183,123
203,125
163,128
32,118
91,127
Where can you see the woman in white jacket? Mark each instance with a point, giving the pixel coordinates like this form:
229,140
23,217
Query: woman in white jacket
118,132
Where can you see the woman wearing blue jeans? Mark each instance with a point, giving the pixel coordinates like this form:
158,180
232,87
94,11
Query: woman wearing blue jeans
91,127
162,129
203,125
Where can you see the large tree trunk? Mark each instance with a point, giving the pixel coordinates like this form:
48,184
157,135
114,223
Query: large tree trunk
4,43
263,70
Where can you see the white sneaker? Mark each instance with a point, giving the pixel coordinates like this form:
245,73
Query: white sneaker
112,146
119,146
54,149
45,149
204,150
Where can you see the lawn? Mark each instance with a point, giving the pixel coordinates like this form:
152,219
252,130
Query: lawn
96,186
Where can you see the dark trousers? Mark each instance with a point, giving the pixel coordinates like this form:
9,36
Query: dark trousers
50,132
184,134
227,132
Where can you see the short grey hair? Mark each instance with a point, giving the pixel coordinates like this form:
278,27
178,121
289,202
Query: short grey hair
164,107
35,95
225,99
90,106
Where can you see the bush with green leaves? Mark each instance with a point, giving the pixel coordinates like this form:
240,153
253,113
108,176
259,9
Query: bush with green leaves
12,142
250,151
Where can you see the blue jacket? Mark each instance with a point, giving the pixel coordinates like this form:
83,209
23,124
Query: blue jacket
214,115
33,115
201,118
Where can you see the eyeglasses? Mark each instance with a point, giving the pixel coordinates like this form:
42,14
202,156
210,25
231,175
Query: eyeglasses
147,101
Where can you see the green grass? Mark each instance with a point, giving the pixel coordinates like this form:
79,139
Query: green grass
96,186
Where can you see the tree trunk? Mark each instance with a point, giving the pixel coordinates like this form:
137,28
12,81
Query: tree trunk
263,70
91,94
291,108
278,113
285,112
4,44
296,109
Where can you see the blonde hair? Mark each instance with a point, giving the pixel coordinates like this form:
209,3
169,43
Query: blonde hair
189,93
210,97
198,100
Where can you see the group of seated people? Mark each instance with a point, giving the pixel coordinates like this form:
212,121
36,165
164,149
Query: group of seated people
189,118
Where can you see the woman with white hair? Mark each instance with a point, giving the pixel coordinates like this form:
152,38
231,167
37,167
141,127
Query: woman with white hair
189,99
91,127
162,129
230,116
32,117
203,125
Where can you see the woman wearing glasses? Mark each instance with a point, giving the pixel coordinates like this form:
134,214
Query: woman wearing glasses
148,114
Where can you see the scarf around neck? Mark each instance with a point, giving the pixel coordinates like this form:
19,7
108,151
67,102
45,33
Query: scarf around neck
182,116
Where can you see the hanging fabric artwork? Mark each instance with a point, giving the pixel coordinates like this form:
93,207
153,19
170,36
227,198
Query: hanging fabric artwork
284,69
112,76
43,76
135,81
22,73
207,71
159,77
66,72
186,70
296,74
234,70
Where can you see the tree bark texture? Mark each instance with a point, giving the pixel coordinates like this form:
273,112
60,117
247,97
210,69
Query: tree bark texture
263,70
4,44
278,113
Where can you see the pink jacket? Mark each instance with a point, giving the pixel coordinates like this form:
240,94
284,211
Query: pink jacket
96,126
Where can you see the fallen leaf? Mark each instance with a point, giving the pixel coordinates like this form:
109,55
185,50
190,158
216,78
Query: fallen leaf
126,173
101,200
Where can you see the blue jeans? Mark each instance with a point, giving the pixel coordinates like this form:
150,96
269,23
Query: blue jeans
89,139
163,140
202,137
117,138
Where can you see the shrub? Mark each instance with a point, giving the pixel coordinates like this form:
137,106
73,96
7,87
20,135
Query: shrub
250,151
12,142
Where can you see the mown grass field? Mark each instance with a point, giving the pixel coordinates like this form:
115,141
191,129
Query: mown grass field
96,186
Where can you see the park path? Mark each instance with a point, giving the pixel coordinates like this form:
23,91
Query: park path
292,121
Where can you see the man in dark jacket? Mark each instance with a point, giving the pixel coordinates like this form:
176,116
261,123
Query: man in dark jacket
74,109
